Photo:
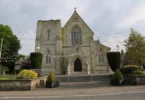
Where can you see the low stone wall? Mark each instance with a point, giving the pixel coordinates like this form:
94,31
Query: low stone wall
16,85
134,79
83,78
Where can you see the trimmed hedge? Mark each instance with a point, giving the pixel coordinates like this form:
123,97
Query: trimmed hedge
114,60
36,60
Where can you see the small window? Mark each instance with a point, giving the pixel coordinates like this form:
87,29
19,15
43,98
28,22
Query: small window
48,58
48,34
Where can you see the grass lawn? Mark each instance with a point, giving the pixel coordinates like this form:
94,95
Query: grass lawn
7,77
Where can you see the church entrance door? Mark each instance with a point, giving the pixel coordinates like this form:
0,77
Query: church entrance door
77,65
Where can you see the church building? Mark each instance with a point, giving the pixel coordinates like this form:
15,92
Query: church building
70,49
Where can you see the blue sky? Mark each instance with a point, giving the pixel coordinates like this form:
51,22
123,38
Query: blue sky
110,20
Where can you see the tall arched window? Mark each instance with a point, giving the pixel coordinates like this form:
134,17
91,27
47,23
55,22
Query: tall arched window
99,56
76,35
48,58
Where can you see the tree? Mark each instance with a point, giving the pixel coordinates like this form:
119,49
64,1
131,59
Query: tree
135,48
11,44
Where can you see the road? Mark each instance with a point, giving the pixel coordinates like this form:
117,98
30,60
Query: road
134,95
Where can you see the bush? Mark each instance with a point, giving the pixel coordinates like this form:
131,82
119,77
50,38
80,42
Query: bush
132,66
117,79
51,77
118,75
26,64
138,72
114,60
27,74
130,69
36,60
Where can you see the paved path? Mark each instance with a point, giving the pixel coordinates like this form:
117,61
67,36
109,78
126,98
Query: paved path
71,92
102,93
111,96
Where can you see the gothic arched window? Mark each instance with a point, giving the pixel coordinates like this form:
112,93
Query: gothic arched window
48,58
99,56
76,35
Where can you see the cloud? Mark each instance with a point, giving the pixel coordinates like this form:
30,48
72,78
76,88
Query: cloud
114,40
136,15
105,18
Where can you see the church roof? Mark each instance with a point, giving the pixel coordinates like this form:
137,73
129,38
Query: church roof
76,14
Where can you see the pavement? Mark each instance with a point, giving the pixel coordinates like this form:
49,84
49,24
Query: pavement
73,91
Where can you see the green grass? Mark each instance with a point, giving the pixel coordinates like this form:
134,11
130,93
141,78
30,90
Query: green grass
7,77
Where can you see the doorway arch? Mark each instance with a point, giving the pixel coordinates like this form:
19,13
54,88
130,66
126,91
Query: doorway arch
77,65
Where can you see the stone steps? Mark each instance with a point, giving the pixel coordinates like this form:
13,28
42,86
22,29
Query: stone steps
82,81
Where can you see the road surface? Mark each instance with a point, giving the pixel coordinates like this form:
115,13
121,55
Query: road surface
134,95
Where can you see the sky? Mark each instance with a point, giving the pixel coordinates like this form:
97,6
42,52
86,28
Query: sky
110,20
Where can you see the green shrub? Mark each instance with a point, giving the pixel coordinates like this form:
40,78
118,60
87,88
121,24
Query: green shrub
36,60
138,72
27,74
114,60
118,75
130,69
132,66
117,78
51,77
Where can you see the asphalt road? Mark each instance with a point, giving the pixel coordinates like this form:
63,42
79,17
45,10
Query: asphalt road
134,95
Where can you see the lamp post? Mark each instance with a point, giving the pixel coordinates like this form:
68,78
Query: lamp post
1,70
38,48
1,47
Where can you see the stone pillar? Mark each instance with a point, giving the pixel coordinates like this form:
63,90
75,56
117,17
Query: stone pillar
88,68
57,69
69,70
58,53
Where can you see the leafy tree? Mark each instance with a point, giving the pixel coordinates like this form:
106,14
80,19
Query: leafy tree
11,44
135,47
22,56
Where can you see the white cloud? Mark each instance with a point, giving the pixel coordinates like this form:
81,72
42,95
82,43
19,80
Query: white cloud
133,17
102,16
114,40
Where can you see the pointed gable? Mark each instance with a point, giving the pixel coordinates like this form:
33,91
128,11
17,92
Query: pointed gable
76,18
86,34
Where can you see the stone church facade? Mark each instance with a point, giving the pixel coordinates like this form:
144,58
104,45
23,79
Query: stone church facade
71,48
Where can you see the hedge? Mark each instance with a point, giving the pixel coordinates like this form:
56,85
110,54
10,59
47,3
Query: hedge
36,60
114,60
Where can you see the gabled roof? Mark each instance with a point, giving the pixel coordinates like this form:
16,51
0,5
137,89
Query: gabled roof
74,15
